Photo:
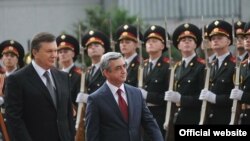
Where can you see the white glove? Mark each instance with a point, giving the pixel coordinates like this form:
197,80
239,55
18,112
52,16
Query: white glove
82,97
1,101
208,96
172,96
236,94
144,93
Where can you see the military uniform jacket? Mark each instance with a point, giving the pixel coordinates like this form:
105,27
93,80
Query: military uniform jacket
132,78
221,83
75,79
245,86
245,81
189,82
157,81
92,83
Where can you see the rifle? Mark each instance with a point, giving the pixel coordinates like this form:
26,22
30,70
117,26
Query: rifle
80,130
2,123
236,107
140,69
3,128
112,42
171,107
205,105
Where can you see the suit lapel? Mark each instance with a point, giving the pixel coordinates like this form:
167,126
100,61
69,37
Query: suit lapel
130,103
39,85
96,75
111,100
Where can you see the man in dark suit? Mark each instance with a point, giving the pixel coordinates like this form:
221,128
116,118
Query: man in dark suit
127,39
222,70
189,75
117,111
38,103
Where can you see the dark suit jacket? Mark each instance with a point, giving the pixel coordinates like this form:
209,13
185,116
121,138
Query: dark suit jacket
31,114
104,121
132,78
189,82
221,83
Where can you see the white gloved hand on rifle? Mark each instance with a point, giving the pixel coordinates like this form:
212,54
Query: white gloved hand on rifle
172,96
208,96
144,93
236,94
82,97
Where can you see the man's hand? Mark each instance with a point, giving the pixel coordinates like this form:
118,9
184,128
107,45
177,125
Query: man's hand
82,97
236,94
208,96
172,96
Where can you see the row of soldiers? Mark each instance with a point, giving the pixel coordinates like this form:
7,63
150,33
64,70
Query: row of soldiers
189,73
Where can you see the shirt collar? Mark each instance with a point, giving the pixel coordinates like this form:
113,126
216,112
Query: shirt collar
113,88
129,59
68,68
39,69
153,61
222,57
188,59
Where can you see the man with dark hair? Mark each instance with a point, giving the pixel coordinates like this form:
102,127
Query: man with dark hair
38,103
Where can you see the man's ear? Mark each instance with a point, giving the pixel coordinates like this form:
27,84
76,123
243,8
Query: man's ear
104,73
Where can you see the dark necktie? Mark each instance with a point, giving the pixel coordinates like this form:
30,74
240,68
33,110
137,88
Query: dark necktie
92,71
216,65
150,67
50,87
122,105
183,65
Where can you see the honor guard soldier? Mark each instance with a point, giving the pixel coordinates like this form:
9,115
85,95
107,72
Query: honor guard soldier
95,43
239,34
207,46
12,53
189,74
12,56
128,43
243,94
156,74
68,49
222,72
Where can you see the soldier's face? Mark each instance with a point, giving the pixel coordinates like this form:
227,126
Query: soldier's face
65,55
10,60
154,45
187,44
219,42
117,72
247,43
128,47
240,41
46,55
95,50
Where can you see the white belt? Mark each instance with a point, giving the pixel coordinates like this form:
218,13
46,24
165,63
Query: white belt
151,104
